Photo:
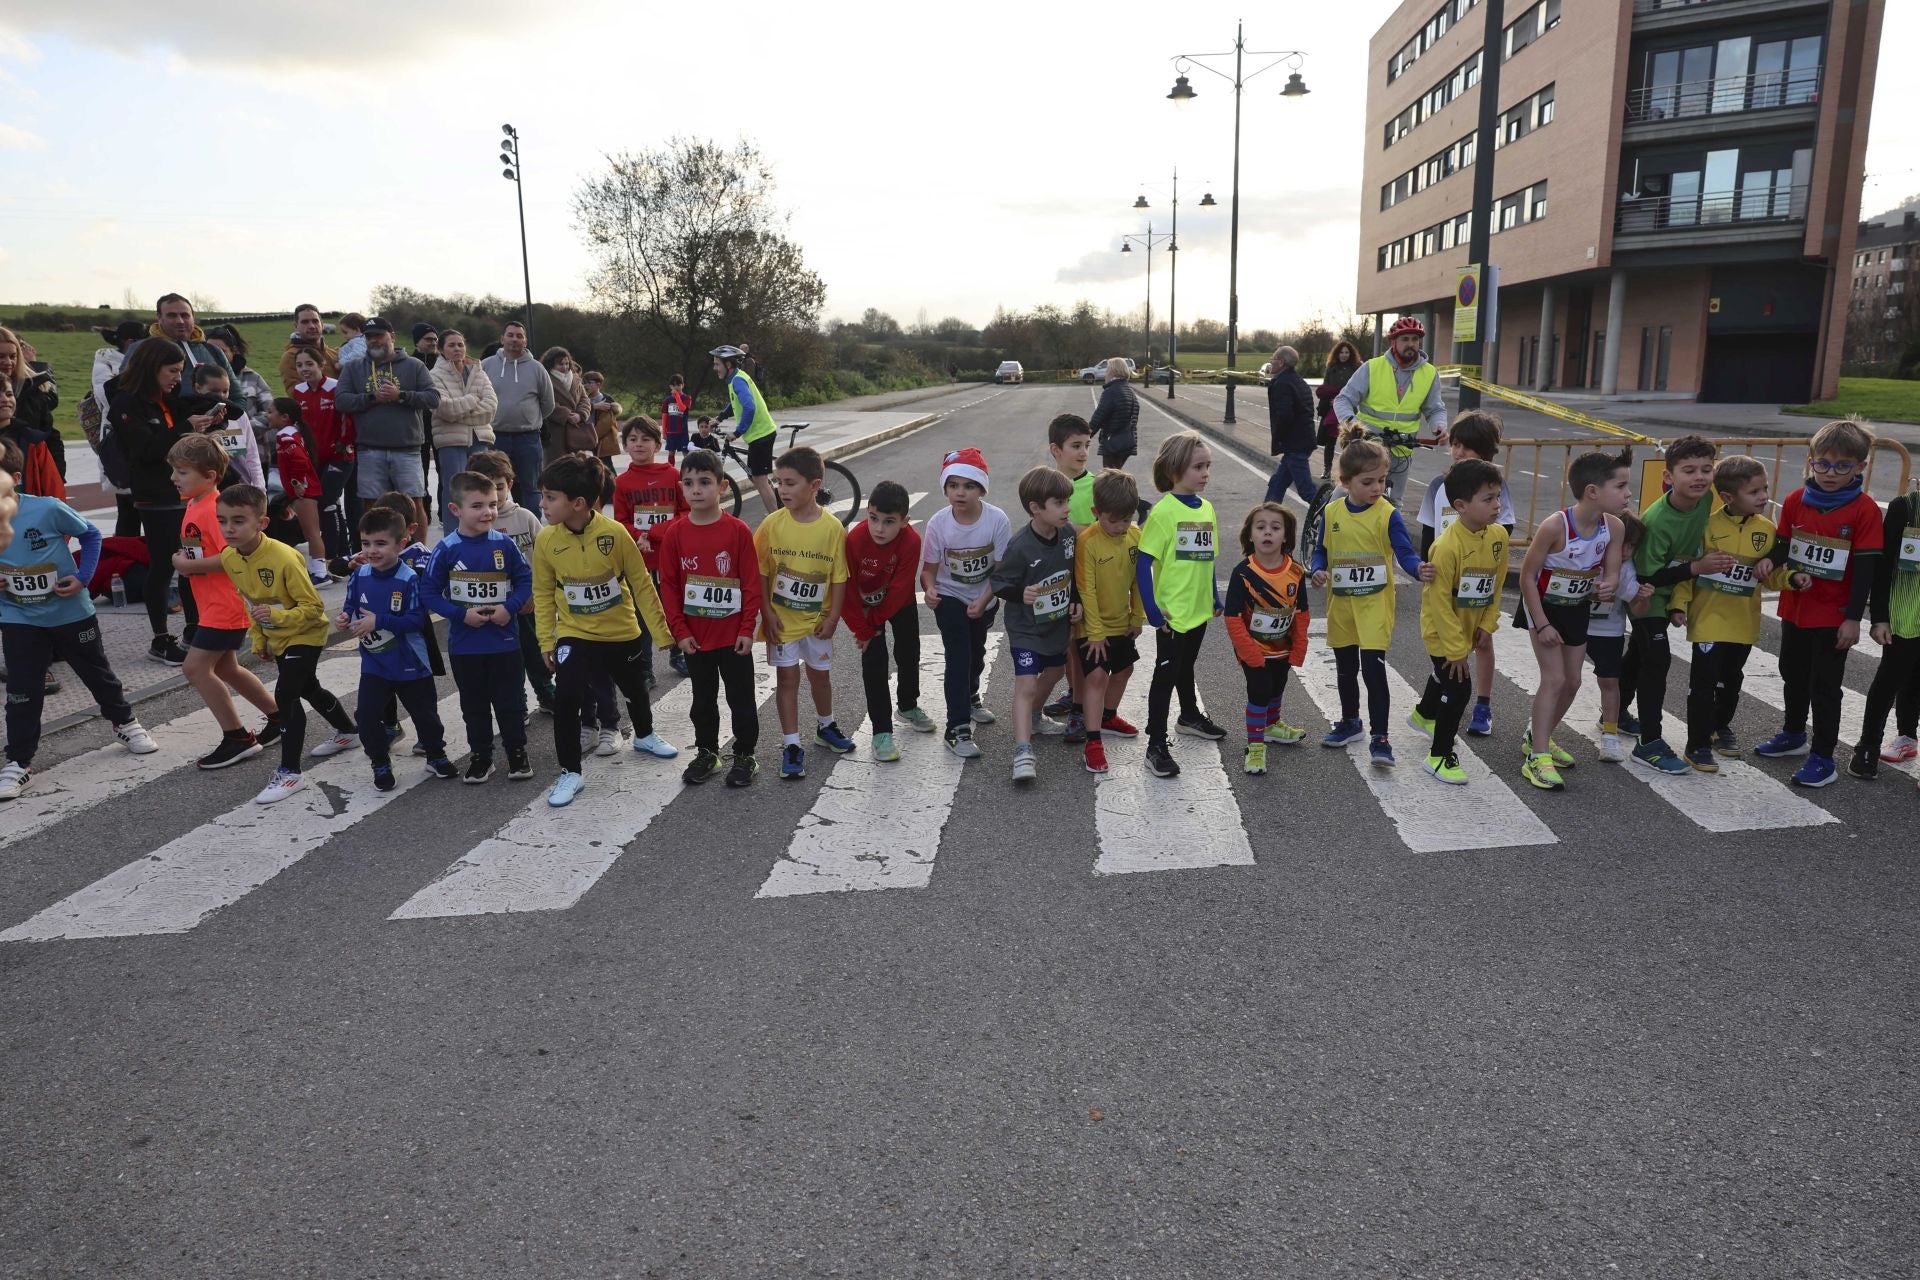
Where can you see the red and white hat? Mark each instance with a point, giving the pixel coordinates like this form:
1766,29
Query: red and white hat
966,464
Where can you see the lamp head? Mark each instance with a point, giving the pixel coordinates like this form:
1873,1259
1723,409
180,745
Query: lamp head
1182,91
1296,87
506,157
1141,203
508,130
1207,201
1126,246
509,175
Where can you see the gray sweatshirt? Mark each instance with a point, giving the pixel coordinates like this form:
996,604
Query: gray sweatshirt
386,426
1046,625
525,392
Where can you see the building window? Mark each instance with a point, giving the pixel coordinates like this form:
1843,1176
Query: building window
1429,35
1520,120
1451,86
1530,26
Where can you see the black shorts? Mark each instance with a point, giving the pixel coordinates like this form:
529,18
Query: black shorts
1607,653
760,457
1570,620
217,639
1122,653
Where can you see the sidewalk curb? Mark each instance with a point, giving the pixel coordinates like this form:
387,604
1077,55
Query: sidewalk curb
851,447
1213,431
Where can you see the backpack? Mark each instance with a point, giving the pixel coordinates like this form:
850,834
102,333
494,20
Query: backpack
113,463
91,415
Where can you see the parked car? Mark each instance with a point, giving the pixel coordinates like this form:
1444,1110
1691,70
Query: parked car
1009,371
1098,372
1166,373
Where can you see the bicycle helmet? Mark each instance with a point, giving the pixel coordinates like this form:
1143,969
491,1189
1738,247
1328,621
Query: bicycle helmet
726,352
1407,324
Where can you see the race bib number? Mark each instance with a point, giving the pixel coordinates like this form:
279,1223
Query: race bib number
474,589
1360,575
969,565
1818,557
711,597
1910,551
1193,540
1055,598
648,517
1265,625
1569,586
29,584
1475,589
592,597
1737,581
1448,518
872,599
378,641
191,548
232,439
800,592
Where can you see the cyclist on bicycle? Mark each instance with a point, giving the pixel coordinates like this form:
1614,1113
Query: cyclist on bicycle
755,427
1392,396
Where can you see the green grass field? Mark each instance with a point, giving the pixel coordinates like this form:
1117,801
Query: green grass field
1876,399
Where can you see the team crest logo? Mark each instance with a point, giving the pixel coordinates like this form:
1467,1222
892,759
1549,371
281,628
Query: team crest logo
37,540
266,578
1846,531
561,655
723,563
604,544
396,602
499,559
1761,541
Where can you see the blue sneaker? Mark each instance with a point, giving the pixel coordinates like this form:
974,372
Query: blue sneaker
1380,751
656,746
793,761
383,779
1784,744
1343,732
1660,757
1629,725
565,787
829,736
1481,725
1818,771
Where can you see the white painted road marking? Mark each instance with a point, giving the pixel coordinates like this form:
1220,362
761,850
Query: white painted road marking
878,826
1431,816
189,878
546,859
1738,798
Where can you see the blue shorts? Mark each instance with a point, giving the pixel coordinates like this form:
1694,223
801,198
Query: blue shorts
1028,663
218,639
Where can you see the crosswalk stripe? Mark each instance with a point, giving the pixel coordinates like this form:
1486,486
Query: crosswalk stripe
184,881
1738,798
1166,824
878,826
546,859
94,777
1431,816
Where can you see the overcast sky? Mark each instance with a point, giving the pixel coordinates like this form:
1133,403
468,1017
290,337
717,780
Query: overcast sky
946,159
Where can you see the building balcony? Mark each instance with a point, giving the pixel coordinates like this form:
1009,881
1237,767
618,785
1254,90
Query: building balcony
1677,15
1698,109
1713,217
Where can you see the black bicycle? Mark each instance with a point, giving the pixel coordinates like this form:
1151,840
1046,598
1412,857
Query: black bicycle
839,494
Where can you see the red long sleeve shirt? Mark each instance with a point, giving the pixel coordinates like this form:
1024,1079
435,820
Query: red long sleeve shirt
645,499
710,581
881,578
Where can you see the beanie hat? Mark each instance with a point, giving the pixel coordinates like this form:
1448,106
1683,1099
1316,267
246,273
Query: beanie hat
421,330
965,464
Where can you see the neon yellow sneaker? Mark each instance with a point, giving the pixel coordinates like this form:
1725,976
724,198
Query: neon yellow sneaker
1562,758
1256,761
1447,769
1282,734
1421,723
1540,772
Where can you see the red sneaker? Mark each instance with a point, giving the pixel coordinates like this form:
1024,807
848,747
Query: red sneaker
1114,724
1096,756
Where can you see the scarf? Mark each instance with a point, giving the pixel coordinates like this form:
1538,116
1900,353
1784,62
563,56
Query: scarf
564,380
1821,500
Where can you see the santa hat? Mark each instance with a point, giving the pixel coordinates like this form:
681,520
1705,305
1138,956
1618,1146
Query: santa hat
965,464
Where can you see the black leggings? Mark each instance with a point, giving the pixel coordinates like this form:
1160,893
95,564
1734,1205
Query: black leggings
1351,665
29,650
708,670
1812,671
1644,676
127,525
905,625
1895,688
1444,701
1713,689
622,661
965,642
1174,655
161,528
298,681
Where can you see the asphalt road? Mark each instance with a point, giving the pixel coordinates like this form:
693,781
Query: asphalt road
1632,1046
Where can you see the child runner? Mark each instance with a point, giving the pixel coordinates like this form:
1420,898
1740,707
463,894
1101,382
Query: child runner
1266,616
1833,530
1896,629
46,616
1573,560
478,580
1069,439
963,544
673,417
1111,612
709,576
213,663
1474,434
883,556
288,622
521,525
1460,606
1035,578
1360,531
330,439
384,612
803,566
645,497
1174,568
1607,638
1668,555
1721,611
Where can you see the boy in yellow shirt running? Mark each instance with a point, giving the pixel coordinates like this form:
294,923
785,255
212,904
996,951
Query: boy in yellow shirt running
803,567
1460,607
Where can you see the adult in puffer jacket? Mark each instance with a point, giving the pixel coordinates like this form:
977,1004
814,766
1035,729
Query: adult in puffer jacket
463,420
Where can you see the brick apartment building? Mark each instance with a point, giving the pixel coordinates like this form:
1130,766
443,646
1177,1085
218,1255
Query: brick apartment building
1881,305
1677,187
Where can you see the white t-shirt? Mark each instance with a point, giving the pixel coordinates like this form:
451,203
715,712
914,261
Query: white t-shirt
1610,616
1436,513
236,436
965,553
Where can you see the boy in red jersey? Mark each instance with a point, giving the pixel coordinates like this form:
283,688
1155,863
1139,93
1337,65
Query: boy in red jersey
883,556
710,590
645,498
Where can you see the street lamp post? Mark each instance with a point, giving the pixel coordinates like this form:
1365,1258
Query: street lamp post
1183,92
1173,290
510,157
1148,240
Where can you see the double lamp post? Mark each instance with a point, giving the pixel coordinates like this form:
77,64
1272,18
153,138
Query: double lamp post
1172,241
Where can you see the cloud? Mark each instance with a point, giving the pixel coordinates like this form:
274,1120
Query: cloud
1103,266
14,48
16,139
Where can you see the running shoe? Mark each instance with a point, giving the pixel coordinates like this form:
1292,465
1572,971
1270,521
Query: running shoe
1725,744
1380,752
13,780
383,779
883,748
740,772
1701,760
1782,745
1095,756
1255,760
1076,728
442,768
960,742
282,784
978,713
1061,707
167,651
1343,732
233,748
1119,728
1539,770
135,738
1629,726
589,737
608,743
1562,759
1198,726
334,745
704,765
917,720
1025,768
1865,765
793,761
652,681
1447,769
1423,725
656,746
1613,749
677,662
565,787
1049,728
1160,761
1900,750
479,769
1659,757
1818,771
519,767
271,732
1282,734
1479,725
829,736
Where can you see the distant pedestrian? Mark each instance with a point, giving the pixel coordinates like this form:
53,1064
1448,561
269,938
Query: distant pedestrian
1341,364
107,363
463,420
1290,426
384,393
570,421
524,397
1393,396
32,426
1116,419
307,336
674,407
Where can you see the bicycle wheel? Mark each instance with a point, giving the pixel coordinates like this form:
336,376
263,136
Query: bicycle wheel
733,488
1310,528
841,487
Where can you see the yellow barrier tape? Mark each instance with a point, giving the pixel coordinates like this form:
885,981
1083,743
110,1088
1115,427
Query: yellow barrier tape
1553,410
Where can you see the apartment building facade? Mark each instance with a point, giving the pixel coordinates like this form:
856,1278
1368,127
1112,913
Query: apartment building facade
1676,187
1881,305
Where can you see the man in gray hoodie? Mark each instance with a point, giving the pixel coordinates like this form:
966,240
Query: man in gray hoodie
525,395
385,392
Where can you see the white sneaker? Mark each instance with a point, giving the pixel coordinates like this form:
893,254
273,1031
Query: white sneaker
13,780
1612,749
609,743
135,739
283,784
334,745
1043,725
318,569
